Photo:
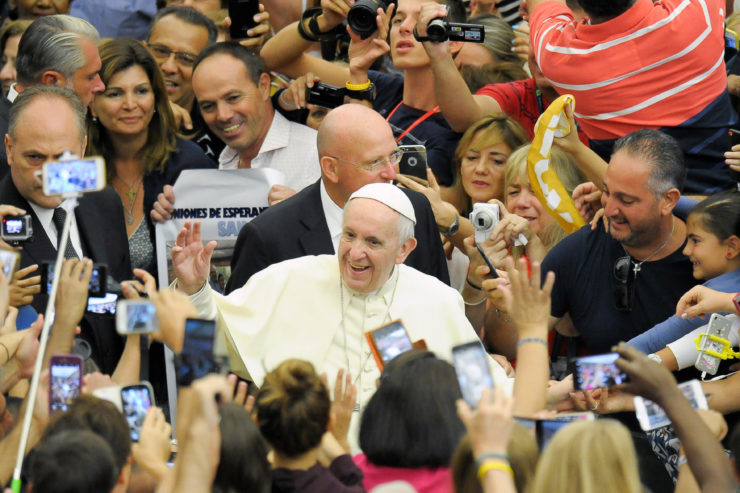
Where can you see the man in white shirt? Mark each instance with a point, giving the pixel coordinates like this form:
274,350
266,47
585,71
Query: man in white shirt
318,308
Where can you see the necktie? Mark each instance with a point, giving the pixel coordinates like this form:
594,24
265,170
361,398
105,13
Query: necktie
58,218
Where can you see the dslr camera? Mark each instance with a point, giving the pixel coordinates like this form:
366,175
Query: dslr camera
325,95
439,30
361,17
484,218
16,228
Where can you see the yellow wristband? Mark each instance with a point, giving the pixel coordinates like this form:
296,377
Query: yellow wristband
357,87
494,464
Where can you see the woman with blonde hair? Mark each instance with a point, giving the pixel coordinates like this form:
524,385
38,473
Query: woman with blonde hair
588,457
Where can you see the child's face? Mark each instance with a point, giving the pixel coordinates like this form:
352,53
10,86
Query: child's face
707,254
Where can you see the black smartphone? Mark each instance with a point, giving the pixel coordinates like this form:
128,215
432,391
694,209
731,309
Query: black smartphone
325,95
473,373
241,13
388,341
98,281
735,140
593,372
135,401
413,161
196,359
65,380
546,428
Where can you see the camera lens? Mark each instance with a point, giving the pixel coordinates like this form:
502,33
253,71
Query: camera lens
361,17
413,161
483,221
437,30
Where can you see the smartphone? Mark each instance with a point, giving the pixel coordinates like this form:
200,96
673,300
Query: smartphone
546,428
111,394
413,161
136,400
241,13
651,415
9,260
593,372
735,140
731,39
73,176
136,317
710,351
98,280
105,304
325,95
65,380
473,373
16,228
388,341
196,359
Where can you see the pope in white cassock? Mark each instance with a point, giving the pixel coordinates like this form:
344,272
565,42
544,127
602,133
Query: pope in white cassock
318,308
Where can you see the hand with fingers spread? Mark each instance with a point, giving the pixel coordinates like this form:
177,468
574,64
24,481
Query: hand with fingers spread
152,451
191,260
342,406
173,308
528,303
164,206
701,301
24,286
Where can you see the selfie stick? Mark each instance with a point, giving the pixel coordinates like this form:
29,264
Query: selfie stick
15,484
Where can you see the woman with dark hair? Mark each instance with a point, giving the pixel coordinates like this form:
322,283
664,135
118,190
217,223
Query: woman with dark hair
294,415
243,464
134,130
410,427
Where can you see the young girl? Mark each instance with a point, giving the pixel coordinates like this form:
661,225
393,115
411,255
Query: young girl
294,415
713,246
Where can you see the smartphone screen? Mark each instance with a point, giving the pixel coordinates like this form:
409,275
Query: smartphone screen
473,374
593,372
241,13
74,176
65,381
97,286
136,317
196,359
391,340
136,401
651,415
104,304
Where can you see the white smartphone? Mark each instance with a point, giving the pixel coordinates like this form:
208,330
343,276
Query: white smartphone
651,415
110,394
473,374
9,260
706,360
73,176
136,317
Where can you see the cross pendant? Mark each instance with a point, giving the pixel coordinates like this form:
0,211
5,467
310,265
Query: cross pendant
636,269
131,195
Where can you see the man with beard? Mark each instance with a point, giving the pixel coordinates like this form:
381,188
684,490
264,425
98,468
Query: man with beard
618,281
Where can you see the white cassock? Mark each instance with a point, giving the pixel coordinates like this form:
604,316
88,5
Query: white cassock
299,308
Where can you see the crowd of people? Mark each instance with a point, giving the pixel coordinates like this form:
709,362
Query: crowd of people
417,196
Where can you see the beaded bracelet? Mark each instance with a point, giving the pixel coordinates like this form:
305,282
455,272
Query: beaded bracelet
501,466
538,340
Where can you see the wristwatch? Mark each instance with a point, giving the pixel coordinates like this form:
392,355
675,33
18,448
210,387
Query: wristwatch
736,302
452,230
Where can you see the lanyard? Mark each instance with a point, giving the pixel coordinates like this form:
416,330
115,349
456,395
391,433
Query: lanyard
416,123
540,101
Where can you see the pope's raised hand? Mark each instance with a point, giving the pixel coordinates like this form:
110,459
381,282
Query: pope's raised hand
191,260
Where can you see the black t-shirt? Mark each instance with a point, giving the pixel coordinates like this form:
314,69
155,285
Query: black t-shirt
434,133
583,264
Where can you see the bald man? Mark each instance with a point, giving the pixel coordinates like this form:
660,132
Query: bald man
356,147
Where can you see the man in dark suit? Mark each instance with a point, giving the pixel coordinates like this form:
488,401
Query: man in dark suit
356,147
46,121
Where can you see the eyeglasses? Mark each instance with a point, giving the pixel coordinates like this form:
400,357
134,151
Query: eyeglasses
393,159
161,52
625,290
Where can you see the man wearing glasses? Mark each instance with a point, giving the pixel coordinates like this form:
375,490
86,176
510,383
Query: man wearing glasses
356,147
176,37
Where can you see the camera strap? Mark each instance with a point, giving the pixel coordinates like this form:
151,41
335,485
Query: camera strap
416,123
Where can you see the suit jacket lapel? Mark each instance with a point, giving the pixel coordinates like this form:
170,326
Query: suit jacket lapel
315,240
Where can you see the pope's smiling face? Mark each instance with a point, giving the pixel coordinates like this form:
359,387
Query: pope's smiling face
369,247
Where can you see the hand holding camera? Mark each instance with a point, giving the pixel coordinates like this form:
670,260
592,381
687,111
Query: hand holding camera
433,26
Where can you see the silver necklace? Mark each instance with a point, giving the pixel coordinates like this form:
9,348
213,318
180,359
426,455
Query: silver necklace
132,194
636,266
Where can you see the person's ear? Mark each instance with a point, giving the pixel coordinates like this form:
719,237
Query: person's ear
329,168
53,78
455,47
733,246
669,201
9,149
264,86
406,249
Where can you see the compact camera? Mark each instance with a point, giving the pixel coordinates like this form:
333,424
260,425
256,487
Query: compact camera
484,218
16,228
325,95
362,15
439,30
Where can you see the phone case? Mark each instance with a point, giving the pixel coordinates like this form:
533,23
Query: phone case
374,347
719,327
